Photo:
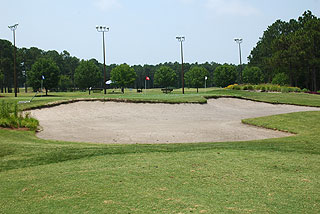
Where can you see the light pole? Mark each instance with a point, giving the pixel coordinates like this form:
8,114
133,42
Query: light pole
239,41
181,39
103,29
13,28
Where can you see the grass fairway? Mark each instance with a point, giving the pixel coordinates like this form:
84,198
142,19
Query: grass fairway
267,176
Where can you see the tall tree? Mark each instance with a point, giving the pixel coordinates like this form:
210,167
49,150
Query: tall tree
165,77
69,65
311,27
26,58
140,80
195,77
56,57
225,75
87,75
123,76
1,79
6,65
44,70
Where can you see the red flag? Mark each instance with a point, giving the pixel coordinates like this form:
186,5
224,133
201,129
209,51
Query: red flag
147,78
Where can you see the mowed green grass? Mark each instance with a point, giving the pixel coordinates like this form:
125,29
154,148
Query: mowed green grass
155,95
266,176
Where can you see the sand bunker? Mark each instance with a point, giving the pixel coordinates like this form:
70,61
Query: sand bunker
128,123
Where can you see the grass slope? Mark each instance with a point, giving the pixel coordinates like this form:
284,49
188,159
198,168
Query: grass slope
267,176
155,95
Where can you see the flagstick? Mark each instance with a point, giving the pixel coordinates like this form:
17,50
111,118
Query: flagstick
145,85
205,85
41,86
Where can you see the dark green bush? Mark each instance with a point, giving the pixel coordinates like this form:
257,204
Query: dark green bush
252,75
280,79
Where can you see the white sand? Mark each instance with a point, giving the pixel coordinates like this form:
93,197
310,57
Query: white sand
128,123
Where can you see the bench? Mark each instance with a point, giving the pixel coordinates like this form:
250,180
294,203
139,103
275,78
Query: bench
166,90
96,90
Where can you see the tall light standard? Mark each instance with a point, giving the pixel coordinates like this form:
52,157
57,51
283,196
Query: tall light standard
181,39
239,41
103,29
13,28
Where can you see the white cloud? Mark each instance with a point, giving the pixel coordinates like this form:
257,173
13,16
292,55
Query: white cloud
106,5
232,7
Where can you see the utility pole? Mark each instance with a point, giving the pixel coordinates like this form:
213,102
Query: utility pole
13,28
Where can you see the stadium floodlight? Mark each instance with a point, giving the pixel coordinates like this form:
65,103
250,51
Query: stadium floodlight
103,29
14,28
239,41
181,39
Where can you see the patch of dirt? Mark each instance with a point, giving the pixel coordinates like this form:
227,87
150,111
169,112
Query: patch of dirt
16,129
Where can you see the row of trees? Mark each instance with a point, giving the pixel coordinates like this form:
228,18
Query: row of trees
289,52
26,58
62,72
164,76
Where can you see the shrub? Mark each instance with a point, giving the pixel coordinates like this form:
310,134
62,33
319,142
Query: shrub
29,122
294,89
285,90
280,79
4,110
257,87
250,87
305,90
252,75
267,87
11,117
236,87
232,87
275,88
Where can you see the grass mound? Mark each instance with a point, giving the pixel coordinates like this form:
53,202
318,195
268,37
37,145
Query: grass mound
264,176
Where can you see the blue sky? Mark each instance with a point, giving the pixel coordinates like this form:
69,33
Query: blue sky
144,31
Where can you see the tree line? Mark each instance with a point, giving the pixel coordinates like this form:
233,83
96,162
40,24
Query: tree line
289,52
63,72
